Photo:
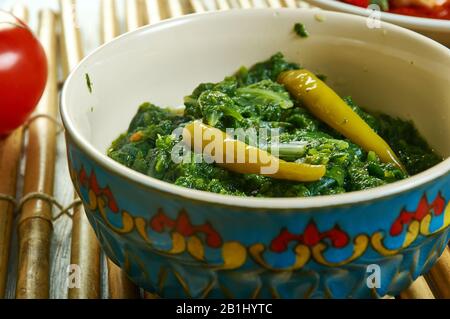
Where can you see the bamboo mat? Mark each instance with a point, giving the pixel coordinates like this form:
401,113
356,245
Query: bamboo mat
38,245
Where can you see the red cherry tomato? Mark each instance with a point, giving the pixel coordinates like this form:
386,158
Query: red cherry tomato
23,72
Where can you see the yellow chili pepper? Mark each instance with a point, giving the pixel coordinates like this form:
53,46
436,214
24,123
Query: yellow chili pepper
326,105
240,157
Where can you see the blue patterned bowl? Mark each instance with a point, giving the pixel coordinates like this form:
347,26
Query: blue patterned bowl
177,242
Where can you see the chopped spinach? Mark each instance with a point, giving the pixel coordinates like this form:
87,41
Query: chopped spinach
301,31
252,99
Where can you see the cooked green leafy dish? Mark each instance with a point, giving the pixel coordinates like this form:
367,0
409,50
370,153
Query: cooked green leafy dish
255,98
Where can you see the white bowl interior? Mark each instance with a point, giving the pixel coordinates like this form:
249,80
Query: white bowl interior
391,70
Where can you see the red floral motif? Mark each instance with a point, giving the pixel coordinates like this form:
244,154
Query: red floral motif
182,224
91,183
423,209
311,237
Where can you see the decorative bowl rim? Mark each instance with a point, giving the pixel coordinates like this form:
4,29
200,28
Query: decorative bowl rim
426,24
304,203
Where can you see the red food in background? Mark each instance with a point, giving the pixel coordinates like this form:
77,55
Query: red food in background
359,3
23,72
438,12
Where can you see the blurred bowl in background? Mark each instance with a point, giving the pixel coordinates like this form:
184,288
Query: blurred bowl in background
436,29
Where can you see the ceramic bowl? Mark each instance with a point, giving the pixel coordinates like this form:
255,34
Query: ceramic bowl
436,29
177,242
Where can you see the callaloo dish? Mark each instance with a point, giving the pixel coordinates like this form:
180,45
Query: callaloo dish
177,242
333,145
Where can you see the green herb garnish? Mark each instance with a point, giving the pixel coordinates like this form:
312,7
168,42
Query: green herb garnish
88,82
300,29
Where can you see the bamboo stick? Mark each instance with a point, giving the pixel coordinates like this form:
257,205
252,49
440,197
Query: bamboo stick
198,6
85,251
419,289
439,276
35,224
234,4
10,151
274,4
21,12
170,8
71,34
153,11
245,4
134,15
62,56
108,17
290,3
120,287
148,295
223,4
303,5
143,11
259,3
175,8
